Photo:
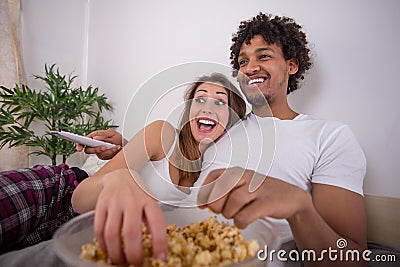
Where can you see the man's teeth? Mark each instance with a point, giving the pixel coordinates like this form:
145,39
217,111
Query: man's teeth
207,122
258,80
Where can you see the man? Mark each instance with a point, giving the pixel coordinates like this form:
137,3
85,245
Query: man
315,178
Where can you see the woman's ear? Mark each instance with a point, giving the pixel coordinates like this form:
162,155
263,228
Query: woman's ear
293,66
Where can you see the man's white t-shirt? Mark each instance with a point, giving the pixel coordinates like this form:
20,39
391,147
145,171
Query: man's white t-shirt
301,151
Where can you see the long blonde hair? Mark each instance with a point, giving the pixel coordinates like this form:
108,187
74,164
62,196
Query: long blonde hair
190,165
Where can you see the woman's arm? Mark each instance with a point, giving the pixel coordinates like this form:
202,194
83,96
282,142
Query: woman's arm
148,144
121,204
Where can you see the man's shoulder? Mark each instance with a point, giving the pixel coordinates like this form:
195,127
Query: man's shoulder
251,126
322,124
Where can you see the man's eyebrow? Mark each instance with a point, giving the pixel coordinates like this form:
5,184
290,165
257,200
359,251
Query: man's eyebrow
258,50
264,49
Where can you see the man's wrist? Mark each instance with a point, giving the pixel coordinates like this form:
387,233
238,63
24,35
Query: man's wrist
305,210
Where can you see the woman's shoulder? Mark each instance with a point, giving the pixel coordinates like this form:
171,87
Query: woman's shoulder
161,136
161,125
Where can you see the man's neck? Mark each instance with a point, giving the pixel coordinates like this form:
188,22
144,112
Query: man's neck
283,112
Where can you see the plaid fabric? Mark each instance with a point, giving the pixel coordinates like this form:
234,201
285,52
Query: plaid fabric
34,203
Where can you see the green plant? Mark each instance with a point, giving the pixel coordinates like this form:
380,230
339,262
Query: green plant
60,107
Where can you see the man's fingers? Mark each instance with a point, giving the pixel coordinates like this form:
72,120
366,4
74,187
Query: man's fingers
108,153
256,181
237,199
250,213
100,137
207,187
216,187
79,147
225,183
93,134
97,150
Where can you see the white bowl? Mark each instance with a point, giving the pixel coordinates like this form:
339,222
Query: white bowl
72,235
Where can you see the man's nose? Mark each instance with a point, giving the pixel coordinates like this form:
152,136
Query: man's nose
252,67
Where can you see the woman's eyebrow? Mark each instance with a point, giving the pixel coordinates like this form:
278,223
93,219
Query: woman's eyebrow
222,93
205,91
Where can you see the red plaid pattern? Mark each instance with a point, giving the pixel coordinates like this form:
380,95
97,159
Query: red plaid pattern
34,203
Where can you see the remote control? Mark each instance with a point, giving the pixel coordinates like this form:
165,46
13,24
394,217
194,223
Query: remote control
76,138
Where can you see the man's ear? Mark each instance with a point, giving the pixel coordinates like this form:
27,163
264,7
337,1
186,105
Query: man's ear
293,66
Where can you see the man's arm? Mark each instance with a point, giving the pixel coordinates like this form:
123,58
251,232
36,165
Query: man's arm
336,220
317,222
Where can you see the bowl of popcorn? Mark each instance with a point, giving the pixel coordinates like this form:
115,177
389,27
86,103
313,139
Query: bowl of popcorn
195,238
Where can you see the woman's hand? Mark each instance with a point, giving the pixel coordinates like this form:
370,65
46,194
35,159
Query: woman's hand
121,208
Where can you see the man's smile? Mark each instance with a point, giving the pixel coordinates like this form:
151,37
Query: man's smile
256,81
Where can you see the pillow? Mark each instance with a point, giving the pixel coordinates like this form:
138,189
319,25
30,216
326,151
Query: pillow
93,164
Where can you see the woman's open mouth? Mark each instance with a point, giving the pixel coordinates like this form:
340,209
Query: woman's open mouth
206,125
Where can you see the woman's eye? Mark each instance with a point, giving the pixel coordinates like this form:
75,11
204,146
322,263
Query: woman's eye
219,102
200,100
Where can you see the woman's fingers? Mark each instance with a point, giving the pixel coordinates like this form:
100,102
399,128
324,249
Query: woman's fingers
156,226
100,217
132,236
113,236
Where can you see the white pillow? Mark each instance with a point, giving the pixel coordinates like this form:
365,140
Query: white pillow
93,164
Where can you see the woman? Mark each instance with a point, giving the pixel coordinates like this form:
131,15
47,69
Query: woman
212,105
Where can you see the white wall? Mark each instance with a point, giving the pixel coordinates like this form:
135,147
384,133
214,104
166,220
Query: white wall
353,80
54,32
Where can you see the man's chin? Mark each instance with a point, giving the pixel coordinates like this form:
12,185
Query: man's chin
257,100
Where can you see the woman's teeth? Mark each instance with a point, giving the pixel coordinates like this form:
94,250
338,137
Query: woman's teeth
207,122
206,125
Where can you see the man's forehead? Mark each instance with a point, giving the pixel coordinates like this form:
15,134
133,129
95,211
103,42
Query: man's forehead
257,43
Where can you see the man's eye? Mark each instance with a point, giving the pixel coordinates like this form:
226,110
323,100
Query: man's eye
200,100
219,102
264,57
242,62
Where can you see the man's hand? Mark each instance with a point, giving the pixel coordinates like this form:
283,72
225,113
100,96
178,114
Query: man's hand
110,136
228,192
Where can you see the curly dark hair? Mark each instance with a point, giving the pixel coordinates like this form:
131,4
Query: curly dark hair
282,31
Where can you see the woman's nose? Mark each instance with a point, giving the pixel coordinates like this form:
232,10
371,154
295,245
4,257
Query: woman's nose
207,107
204,111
